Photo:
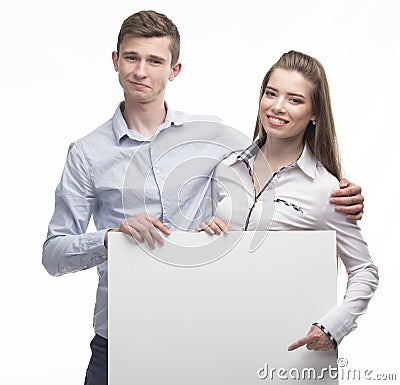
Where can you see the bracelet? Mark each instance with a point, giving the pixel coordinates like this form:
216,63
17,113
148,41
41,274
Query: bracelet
329,335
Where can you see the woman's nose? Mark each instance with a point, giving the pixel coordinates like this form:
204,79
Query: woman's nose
279,105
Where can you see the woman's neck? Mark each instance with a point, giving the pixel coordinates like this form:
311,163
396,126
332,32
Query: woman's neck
280,153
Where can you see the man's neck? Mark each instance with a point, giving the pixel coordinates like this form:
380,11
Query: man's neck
144,118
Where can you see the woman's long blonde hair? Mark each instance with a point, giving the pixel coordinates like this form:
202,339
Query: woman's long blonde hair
321,137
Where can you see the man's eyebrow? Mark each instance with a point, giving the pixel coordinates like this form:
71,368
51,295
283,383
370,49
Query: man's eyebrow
289,93
129,53
157,58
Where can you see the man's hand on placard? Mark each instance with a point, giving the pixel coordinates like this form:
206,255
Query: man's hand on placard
143,228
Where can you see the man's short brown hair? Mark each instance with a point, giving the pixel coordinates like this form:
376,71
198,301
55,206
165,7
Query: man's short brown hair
151,24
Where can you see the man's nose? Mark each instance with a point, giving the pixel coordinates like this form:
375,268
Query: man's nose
140,69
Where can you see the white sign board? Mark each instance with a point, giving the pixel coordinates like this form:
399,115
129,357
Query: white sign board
221,310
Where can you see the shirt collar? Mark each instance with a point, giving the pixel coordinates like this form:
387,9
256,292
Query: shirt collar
118,123
251,151
121,129
306,162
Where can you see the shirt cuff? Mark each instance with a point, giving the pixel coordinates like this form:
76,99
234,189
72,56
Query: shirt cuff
338,322
97,252
329,335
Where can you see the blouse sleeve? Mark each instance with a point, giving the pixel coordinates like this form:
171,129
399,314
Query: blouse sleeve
362,273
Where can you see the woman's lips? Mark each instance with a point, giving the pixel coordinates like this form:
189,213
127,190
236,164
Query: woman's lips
274,120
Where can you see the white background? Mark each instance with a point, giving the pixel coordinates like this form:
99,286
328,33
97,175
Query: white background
57,83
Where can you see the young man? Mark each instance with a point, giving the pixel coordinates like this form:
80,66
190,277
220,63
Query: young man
134,173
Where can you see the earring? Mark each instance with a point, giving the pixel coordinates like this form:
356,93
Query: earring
313,122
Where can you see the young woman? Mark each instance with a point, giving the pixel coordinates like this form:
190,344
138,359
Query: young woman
283,181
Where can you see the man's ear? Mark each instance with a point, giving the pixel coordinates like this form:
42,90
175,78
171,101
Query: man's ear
115,60
176,68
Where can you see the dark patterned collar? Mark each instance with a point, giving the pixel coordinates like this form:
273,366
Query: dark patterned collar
252,150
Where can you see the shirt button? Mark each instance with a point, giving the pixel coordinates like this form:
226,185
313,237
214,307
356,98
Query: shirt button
157,171
278,175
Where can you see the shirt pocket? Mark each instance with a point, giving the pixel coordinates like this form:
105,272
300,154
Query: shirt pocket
288,208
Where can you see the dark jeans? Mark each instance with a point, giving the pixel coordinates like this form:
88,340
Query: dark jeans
97,371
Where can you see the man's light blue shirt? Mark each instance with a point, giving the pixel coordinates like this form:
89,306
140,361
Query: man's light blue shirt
114,172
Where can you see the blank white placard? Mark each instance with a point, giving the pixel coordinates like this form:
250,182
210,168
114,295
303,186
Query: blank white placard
205,310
